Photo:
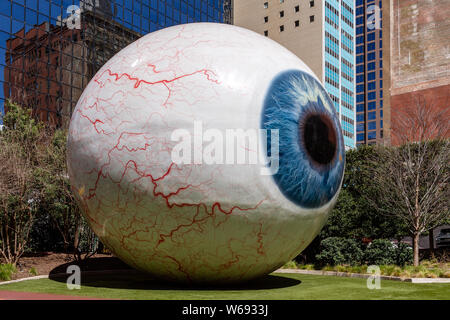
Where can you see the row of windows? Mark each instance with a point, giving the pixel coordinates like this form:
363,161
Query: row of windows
360,117
331,67
332,38
282,28
332,9
370,56
347,105
347,21
331,52
331,22
347,63
297,8
370,76
347,77
349,50
348,35
370,46
332,82
334,98
372,105
346,6
370,86
347,119
348,134
347,91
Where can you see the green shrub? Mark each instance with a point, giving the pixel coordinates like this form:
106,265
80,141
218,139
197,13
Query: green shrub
6,271
33,271
403,254
336,251
379,252
290,265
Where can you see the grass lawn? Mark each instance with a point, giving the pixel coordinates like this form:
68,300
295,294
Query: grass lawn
273,287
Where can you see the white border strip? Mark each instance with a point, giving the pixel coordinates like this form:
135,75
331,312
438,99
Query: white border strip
23,279
361,275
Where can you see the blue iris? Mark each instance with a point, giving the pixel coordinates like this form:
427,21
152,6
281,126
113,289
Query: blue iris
311,146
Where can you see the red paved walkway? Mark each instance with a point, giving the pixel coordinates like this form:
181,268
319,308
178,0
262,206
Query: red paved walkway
14,295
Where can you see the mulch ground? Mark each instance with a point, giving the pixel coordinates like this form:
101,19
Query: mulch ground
51,263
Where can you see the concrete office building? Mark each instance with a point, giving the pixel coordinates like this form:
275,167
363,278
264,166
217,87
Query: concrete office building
322,34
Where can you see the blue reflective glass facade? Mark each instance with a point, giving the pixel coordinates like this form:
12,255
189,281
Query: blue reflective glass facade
36,43
339,28
369,75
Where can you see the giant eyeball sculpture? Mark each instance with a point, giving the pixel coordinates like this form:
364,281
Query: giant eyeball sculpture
205,153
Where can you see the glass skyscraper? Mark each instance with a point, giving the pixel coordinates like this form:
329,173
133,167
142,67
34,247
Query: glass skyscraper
369,72
50,49
340,61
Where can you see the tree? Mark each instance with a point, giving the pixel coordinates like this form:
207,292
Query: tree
18,197
34,184
414,177
354,216
58,201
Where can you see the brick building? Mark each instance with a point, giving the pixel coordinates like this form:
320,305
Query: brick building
417,58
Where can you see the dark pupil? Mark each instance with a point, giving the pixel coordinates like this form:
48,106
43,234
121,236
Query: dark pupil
320,139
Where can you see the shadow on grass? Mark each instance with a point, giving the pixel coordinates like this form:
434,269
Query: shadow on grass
113,273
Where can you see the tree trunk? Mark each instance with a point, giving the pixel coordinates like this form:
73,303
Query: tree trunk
416,248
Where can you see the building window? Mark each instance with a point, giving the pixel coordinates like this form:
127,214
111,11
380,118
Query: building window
359,117
360,68
297,23
266,19
281,28
297,8
266,33
360,137
266,5
372,135
311,18
281,14
360,127
372,125
311,4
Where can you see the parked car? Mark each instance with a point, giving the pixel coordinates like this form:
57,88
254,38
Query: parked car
443,238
